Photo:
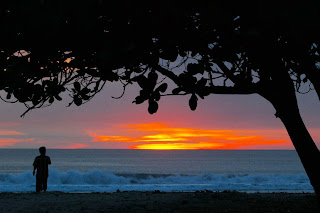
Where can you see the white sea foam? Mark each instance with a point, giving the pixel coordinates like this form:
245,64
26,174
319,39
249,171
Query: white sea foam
102,181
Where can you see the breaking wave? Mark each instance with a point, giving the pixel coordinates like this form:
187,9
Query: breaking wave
104,181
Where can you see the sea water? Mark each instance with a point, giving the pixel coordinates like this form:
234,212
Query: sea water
94,170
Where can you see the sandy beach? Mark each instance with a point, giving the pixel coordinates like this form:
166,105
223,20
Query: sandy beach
158,202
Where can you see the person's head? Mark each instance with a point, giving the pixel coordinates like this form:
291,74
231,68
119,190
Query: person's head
42,150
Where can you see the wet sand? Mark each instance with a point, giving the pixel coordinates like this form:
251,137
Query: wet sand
158,202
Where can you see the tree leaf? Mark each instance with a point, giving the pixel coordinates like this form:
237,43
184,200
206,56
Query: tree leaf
58,97
202,82
139,100
85,97
97,86
152,80
51,99
55,81
193,102
153,106
142,81
194,68
8,95
77,101
304,80
194,53
156,95
108,75
62,89
176,91
169,53
35,102
77,86
85,91
163,87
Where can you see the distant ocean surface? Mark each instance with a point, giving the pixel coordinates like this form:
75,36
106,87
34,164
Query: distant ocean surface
148,170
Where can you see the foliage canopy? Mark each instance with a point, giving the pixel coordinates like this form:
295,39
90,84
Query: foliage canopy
50,47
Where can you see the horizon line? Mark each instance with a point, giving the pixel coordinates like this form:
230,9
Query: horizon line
159,149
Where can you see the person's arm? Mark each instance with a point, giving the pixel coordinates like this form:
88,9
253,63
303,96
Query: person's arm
34,166
49,162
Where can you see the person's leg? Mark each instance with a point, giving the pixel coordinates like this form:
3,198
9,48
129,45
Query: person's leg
38,184
45,184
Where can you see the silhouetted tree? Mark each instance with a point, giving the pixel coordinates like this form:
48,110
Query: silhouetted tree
52,46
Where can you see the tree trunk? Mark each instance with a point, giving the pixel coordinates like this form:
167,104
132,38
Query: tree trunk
280,91
282,96
305,147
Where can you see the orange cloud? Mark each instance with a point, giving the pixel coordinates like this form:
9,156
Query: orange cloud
103,138
72,146
11,141
10,132
161,136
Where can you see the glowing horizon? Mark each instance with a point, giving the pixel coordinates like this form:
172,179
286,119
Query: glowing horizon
161,136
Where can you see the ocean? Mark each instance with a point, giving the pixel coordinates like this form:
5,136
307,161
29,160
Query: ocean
108,170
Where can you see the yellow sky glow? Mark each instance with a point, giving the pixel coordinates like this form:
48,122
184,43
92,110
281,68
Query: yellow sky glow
162,136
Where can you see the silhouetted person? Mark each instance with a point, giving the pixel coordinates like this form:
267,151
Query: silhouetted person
40,164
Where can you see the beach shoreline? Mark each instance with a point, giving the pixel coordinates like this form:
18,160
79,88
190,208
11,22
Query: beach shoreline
157,201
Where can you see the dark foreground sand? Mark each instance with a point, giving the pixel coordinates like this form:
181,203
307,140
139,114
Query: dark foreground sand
158,202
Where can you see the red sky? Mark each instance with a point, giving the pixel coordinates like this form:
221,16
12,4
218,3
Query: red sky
164,136
220,122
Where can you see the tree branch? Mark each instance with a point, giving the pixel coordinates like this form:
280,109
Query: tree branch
168,73
226,71
236,90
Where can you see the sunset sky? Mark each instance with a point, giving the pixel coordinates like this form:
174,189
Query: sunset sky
220,122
